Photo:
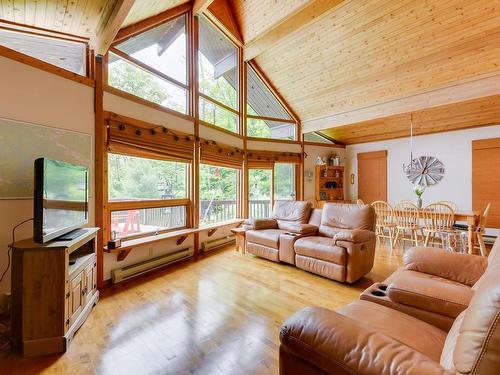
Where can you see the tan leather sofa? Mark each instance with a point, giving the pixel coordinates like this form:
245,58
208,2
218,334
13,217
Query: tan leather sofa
269,238
370,338
434,285
337,242
344,247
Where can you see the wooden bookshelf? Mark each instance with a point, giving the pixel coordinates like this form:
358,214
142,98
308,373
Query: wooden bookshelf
333,177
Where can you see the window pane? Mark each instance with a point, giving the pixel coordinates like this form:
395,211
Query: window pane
62,53
139,82
260,100
218,65
218,194
162,48
259,192
284,181
315,137
132,178
216,115
270,129
148,220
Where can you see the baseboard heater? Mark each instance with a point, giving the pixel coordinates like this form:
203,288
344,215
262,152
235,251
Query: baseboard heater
121,274
215,244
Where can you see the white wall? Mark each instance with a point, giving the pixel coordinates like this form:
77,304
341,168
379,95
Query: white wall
31,95
454,149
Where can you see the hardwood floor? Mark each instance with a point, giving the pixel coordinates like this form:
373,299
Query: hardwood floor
220,314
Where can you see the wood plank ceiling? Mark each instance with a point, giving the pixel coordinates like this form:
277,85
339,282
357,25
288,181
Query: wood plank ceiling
143,9
365,53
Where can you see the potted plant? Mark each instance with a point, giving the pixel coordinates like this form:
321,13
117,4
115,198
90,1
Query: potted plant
419,190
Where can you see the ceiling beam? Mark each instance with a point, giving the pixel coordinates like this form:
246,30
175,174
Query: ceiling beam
200,6
289,25
458,91
110,26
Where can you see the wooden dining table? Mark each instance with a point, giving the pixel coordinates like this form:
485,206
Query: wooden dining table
471,217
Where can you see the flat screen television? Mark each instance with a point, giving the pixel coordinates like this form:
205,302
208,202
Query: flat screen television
61,198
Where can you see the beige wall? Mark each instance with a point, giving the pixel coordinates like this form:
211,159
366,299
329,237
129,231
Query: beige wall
31,95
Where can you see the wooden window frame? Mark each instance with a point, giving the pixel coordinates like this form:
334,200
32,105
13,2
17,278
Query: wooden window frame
180,11
239,182
152,203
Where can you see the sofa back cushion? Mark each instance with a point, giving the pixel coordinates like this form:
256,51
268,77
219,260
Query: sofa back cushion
292,211
338,216
477,349
315,218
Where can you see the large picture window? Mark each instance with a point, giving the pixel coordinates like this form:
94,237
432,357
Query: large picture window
266,117
146,195
218,78
260,193
284,181
218,194
153,65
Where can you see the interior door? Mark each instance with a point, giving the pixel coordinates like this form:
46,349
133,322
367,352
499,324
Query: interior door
372,176
486,178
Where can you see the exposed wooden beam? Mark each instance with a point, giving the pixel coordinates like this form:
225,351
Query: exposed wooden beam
459,91
291,24
110,26
200,6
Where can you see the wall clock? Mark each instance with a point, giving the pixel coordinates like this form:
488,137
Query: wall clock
425,171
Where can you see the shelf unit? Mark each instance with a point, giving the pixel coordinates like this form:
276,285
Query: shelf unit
326,175
52,298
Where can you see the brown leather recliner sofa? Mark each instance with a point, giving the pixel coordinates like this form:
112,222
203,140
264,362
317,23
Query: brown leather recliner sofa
370,338
337,242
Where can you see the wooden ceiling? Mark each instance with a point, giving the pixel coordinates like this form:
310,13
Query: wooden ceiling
367,52
457,116
143,9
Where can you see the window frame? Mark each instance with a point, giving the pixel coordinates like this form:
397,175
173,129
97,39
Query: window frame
114,206
239,179
187,87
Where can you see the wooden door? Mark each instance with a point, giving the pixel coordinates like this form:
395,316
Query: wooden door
89,288
372,176
76,298
486,178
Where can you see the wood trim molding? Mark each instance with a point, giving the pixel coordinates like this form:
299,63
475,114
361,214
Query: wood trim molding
329,145
147,24
293,23
471,88
159,203
199,6
257,139
45,66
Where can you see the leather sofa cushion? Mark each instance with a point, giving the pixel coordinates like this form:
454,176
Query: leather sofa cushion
297,227
296,211
322,248
257,224
266,237
320,267
347,216
428,292
414,333
263,251
449,345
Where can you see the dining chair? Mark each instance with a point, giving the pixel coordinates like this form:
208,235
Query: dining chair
406,214
438,221
384,220
478,242
360,201
453,205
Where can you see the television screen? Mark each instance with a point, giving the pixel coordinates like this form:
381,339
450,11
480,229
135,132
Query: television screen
61,198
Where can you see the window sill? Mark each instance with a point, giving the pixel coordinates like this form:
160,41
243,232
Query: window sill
181,234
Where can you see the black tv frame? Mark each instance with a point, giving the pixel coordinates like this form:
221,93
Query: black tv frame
38,205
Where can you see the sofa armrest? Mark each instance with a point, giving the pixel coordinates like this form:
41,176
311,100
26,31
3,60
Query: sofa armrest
258,224
463,268
354,235
338,344
298,228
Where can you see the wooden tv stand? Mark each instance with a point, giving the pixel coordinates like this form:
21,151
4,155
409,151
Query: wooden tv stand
51,298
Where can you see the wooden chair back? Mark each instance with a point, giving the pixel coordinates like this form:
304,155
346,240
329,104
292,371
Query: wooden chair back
438,217
484,218
406,214
453,205
360,201
384,215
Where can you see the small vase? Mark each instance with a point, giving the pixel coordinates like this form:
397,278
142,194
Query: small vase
419,202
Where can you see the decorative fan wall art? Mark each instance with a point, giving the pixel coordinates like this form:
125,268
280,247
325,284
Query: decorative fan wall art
425,171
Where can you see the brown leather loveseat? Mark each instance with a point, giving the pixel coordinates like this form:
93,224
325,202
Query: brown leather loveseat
337,242
370,338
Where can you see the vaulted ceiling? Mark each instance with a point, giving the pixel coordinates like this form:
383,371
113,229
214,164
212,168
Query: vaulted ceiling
335,62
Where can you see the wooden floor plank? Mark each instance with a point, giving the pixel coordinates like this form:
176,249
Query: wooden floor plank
220,314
